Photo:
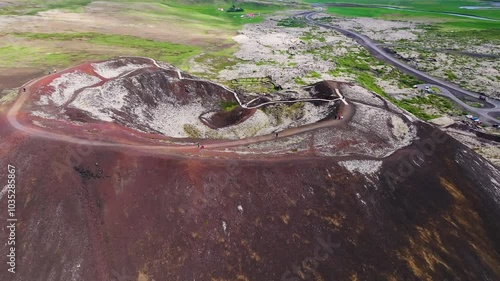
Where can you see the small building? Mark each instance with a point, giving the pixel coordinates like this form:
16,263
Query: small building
220,9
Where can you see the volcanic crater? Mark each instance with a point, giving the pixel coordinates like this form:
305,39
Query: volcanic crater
157,98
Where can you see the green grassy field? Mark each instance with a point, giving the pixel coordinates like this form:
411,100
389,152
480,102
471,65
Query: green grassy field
201,10
201,17
173,53
22,56
234,19
427,9
452,6
32,7
448,22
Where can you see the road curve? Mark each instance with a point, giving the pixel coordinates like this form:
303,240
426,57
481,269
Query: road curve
379,53
480,112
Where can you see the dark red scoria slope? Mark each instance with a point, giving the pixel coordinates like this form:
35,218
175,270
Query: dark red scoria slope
98,214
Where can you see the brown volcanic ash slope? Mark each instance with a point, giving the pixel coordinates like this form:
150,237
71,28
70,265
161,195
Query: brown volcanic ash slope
427,211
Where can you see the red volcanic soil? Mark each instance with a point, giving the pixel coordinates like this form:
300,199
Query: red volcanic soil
88,213
101,212
15,77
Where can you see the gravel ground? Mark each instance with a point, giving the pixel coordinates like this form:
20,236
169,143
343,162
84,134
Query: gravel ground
381,30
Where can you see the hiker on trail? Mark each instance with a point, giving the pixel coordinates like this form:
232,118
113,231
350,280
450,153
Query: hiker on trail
277,134
202,147
24,89
198,145
342,117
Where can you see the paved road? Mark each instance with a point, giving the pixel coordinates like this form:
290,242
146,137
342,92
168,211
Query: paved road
486,114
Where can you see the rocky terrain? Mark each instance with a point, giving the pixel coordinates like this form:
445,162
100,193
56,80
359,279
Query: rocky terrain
472,63
267,49
374,195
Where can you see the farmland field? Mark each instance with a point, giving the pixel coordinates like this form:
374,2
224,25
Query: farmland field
172,31
429,6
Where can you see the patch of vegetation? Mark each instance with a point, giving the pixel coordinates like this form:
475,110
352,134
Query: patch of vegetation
294,111
404,80
275,111
72,5
218,60
268,62
17,56
313,74
308,37
13,10
278,112
253,131
359,66
352,62
33,7
379,13
7,97
368,82
292,22
299,81
175,54
450,75
228,105
420,8
411,105
192,131
474,104
260,85
443,104
435,89
212,15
